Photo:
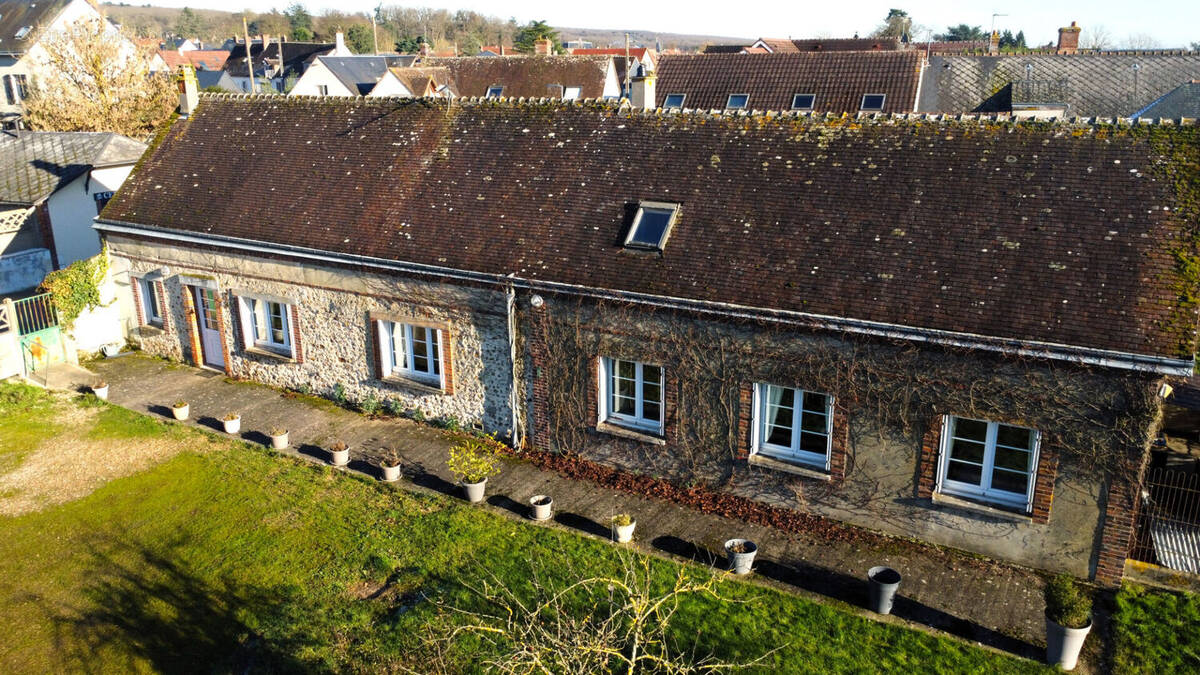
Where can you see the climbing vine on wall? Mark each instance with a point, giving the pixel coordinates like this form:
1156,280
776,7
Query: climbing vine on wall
76,288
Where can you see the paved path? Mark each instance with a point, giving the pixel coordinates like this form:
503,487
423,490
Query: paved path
993,604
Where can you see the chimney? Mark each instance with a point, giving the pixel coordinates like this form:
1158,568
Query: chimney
1068,39
641,89
994,42
543,47
339,42
188,90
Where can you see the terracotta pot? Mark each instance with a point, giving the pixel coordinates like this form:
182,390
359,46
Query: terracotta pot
180,413
232,426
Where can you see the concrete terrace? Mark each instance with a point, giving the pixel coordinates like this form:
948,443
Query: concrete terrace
994,604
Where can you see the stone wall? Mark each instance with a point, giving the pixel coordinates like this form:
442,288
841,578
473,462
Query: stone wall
333,314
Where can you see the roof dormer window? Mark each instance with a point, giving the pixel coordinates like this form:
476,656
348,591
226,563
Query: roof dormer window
737,101
651,225
496,91
872,102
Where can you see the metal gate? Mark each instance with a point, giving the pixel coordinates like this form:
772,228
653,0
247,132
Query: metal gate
41,337
1168,527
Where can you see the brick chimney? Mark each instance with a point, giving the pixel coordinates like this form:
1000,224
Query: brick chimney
1068,39
641,89
188,90
994,42
543,46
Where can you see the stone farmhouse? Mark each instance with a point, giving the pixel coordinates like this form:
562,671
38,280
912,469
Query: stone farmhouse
948,329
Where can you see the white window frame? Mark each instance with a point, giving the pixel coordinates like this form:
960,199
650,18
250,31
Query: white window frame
863,102
796,107
984,491
499,89
729,101
682,98
151,304
637,221
322,90
793,453
608,370
395,341
572,93
256,327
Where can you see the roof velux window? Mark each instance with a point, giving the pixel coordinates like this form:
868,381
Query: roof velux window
651,225
572,93
803,101
24,31
872,102
495,92
737,101
674,100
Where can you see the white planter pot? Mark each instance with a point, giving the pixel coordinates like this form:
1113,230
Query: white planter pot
475,491
542,504
741,563
101,392
625,532
180,413
339,457
1063,644
390,473
232,426
279,442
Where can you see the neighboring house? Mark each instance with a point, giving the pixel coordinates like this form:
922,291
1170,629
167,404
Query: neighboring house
415,81
538,76
207,80
1182,101
278,63
200,59
627,62
353,76
837,82
902,323
52,184
789,46
23,27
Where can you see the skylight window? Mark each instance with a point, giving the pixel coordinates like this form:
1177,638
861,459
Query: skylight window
651,225
674,100
21,34
872,102
572,93
803,101
737,101
495,92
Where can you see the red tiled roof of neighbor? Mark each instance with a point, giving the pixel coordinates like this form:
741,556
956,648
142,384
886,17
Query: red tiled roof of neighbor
201,59
524,76
838,79
1019,231
634,52
847,45
779,45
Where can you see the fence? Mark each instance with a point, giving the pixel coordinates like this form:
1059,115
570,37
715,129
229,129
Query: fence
35,313
1168,529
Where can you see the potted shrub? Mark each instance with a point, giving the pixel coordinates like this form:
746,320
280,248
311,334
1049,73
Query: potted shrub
623,525
232,422
741,555
339,453
180,410
1068,620
471,461
279,437
100,389
541,507
390,464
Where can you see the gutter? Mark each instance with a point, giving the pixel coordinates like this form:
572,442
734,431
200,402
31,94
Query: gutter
1043,350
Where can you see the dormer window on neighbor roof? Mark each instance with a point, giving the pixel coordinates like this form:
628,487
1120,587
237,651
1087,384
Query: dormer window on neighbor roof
674,100
737,101
803,101
651,225
495,92
872,102
572,93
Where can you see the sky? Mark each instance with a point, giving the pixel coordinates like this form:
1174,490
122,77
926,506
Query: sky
1171,23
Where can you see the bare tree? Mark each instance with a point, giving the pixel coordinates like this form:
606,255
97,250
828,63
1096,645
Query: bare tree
1096,37
1142,41
93,79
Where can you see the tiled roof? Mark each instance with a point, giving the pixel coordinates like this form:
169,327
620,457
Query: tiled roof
1025,232
839,79
524,76
200,59
847,45
34,164
418,80
361,73
295,56
779,45
16,15
1090,85
1183,101
953,46
723,49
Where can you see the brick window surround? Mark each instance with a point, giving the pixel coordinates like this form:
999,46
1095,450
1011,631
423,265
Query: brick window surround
1043,485
446,346
839,442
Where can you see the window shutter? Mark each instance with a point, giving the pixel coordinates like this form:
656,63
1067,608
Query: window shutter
1033,471
939,466
244,320
8,90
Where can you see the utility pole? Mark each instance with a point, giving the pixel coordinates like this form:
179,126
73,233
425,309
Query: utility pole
375,29
249,61
628,67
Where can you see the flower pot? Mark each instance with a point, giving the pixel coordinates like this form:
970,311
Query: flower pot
390,473
110,350
101,392
625,532
232,426
541,507
339,457
741,563
884,582
474,491
280,442
1063,644
180,413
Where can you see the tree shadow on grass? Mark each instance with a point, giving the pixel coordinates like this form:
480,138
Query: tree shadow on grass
148,605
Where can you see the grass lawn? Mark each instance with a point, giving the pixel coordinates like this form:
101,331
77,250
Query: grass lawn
1156,631
224,557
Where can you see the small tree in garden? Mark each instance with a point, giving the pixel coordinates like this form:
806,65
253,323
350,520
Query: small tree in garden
76,288
474,459
96,80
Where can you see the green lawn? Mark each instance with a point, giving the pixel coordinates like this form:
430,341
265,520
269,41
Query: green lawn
228,558
1156,631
